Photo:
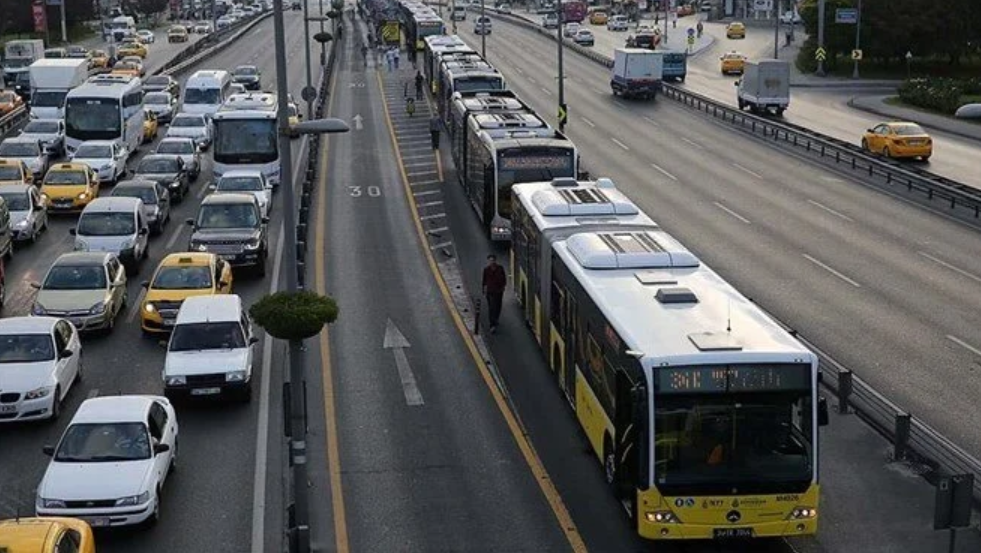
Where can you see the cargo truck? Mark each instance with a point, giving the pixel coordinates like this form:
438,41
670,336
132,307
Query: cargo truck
764,86
637,72
18,55
51,79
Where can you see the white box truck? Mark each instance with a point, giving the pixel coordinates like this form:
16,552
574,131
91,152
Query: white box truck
51,79
18,55
764,86
637,72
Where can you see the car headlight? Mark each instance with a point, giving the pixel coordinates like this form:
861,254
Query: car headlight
44,198
149,307
81,245
98,308
46,503
235,376
253,244
174,184
38,393
176,380
133,499
83,195
38,309
21,224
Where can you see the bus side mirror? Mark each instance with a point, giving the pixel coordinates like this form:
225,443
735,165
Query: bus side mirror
822,411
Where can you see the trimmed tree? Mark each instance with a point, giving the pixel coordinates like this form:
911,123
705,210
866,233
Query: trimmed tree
294,315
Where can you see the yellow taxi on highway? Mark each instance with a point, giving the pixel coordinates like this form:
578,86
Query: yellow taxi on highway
69,187
150,126
598,17
15,171
733,63
178,277
99,59
736,29
46,535
177,33
131,47
898,139
127,68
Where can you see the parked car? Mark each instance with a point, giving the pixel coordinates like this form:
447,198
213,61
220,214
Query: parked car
40,361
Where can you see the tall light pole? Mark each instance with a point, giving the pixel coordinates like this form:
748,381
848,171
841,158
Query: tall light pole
858,38
64,28
483,32
306,52
820,67
563,113
323,45
776,29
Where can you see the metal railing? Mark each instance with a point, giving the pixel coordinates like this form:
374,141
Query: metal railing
12,120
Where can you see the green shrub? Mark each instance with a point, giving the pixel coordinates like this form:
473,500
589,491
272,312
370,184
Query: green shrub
294,315
938,94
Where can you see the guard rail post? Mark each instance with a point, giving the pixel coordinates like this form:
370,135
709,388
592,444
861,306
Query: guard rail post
844,390
901,441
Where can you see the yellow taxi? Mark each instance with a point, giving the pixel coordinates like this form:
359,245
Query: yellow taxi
177,33
129,68
294,117
131,47
46,535
736,29
178,277
898,139
733,63
69,187
598,17
15,171
99,59
150,126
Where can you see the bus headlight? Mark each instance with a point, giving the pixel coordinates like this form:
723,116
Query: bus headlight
662,517
800,513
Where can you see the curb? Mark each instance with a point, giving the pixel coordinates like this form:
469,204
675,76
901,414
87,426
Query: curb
846,84
885,113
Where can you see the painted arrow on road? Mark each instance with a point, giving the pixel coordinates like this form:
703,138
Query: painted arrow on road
359,126
395,341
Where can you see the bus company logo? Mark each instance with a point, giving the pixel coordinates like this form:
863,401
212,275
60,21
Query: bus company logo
733,516
679,502
684,502
712,503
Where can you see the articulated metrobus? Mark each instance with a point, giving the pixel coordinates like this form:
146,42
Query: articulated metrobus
436,47
422,25
464,76
245,135
105,107
504,149
703,411
464,105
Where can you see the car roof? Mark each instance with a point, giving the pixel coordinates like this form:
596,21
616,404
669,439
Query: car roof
25,534
135,183
68,166
113,203
204,309
11,161
189,116
82,258
188,258
230,198
97,143
20,139
175,139
16,188
12,325
160,156
130,408
242,173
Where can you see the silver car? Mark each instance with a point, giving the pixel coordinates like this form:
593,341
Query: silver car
186,149
49,132
28,150
163,104
194,126
245,181
156,200
87,288
28,214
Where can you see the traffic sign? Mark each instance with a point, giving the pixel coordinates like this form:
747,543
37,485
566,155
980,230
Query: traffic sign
691,40
691,31
847,16
40,17
563,114
820,54
857,55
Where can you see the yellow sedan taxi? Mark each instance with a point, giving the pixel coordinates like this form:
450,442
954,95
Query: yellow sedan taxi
69,187
46,535
178,277
733,63
15,171
150,126
131,47
899,140
598,18
736,29
127,68
99,59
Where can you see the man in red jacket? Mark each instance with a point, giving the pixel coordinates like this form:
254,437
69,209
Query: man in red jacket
494,282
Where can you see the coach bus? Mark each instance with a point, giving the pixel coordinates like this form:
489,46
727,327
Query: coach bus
105,107
245,135
504,149
702,411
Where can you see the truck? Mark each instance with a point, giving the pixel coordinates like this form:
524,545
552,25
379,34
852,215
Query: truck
637,72
18,55
122,26
764,86
51,79
675,65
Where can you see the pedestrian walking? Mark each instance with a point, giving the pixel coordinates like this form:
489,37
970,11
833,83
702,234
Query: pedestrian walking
699,28
494,281
434,131
396,55
390,59
419,82
410,105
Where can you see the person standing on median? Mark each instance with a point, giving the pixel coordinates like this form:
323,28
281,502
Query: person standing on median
494,281
420,80
434,131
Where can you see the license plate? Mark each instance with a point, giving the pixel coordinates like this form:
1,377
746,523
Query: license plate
730,533
205,391
96,522
915,142
228,256
168,322
8,408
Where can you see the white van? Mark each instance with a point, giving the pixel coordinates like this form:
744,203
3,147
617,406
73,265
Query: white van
205,91
459,13
114,224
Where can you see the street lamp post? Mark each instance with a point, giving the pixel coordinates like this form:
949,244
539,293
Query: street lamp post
323,45
562,109
306,51
483,32
776,29
858,39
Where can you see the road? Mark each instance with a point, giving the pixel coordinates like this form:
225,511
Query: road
887,288
207,506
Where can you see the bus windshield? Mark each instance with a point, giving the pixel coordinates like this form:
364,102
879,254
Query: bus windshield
239,141
526,164
92,118
472,84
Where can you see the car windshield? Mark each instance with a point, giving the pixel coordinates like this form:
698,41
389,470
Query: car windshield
157,99
246,71
201,96
187,122
100,223
42,127
182,278
217,216
10,172
202,336
125,65
19,149
240,184
18,201
908,130
144,193
93,151
104,442
65,177
75,277
26,348
158,165
175,147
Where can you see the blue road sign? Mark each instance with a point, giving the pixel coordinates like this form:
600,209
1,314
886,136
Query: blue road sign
691,31
848,16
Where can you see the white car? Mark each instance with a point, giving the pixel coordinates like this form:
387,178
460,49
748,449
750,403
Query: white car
28,150
49,132
40,359
110,465
550,21
617,23
28,214
162,104
189,125
146,36
243,181
106,157
504,8
569,30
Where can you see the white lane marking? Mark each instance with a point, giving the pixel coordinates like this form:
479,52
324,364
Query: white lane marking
747,171
519,70
262,425
601,91
651,121
831,211
426,193
621,144
832,271
131,316
175,235
663,171
588,122
731,212
693,143
433,216
396,341
964,344
958,270
620,104
546,91
430,204
532,80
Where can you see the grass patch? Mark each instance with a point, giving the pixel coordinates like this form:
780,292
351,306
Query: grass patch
875,69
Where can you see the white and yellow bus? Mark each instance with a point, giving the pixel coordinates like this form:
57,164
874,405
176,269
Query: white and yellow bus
702,410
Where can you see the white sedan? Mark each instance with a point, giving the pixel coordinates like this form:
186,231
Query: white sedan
245,181
188,125
146,36
106,157
40,359
110,466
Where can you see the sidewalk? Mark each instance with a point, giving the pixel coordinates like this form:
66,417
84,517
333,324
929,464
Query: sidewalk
876,104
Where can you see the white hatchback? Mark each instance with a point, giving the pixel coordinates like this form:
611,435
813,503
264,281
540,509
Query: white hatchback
246,181
110,466
40,360
106,157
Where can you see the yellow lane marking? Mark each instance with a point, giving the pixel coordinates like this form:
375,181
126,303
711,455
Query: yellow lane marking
327,375
439,165
527,450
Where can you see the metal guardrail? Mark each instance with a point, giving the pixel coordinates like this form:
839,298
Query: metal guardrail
913,440
12,120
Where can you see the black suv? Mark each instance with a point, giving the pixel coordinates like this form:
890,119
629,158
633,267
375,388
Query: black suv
232,226
168,170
